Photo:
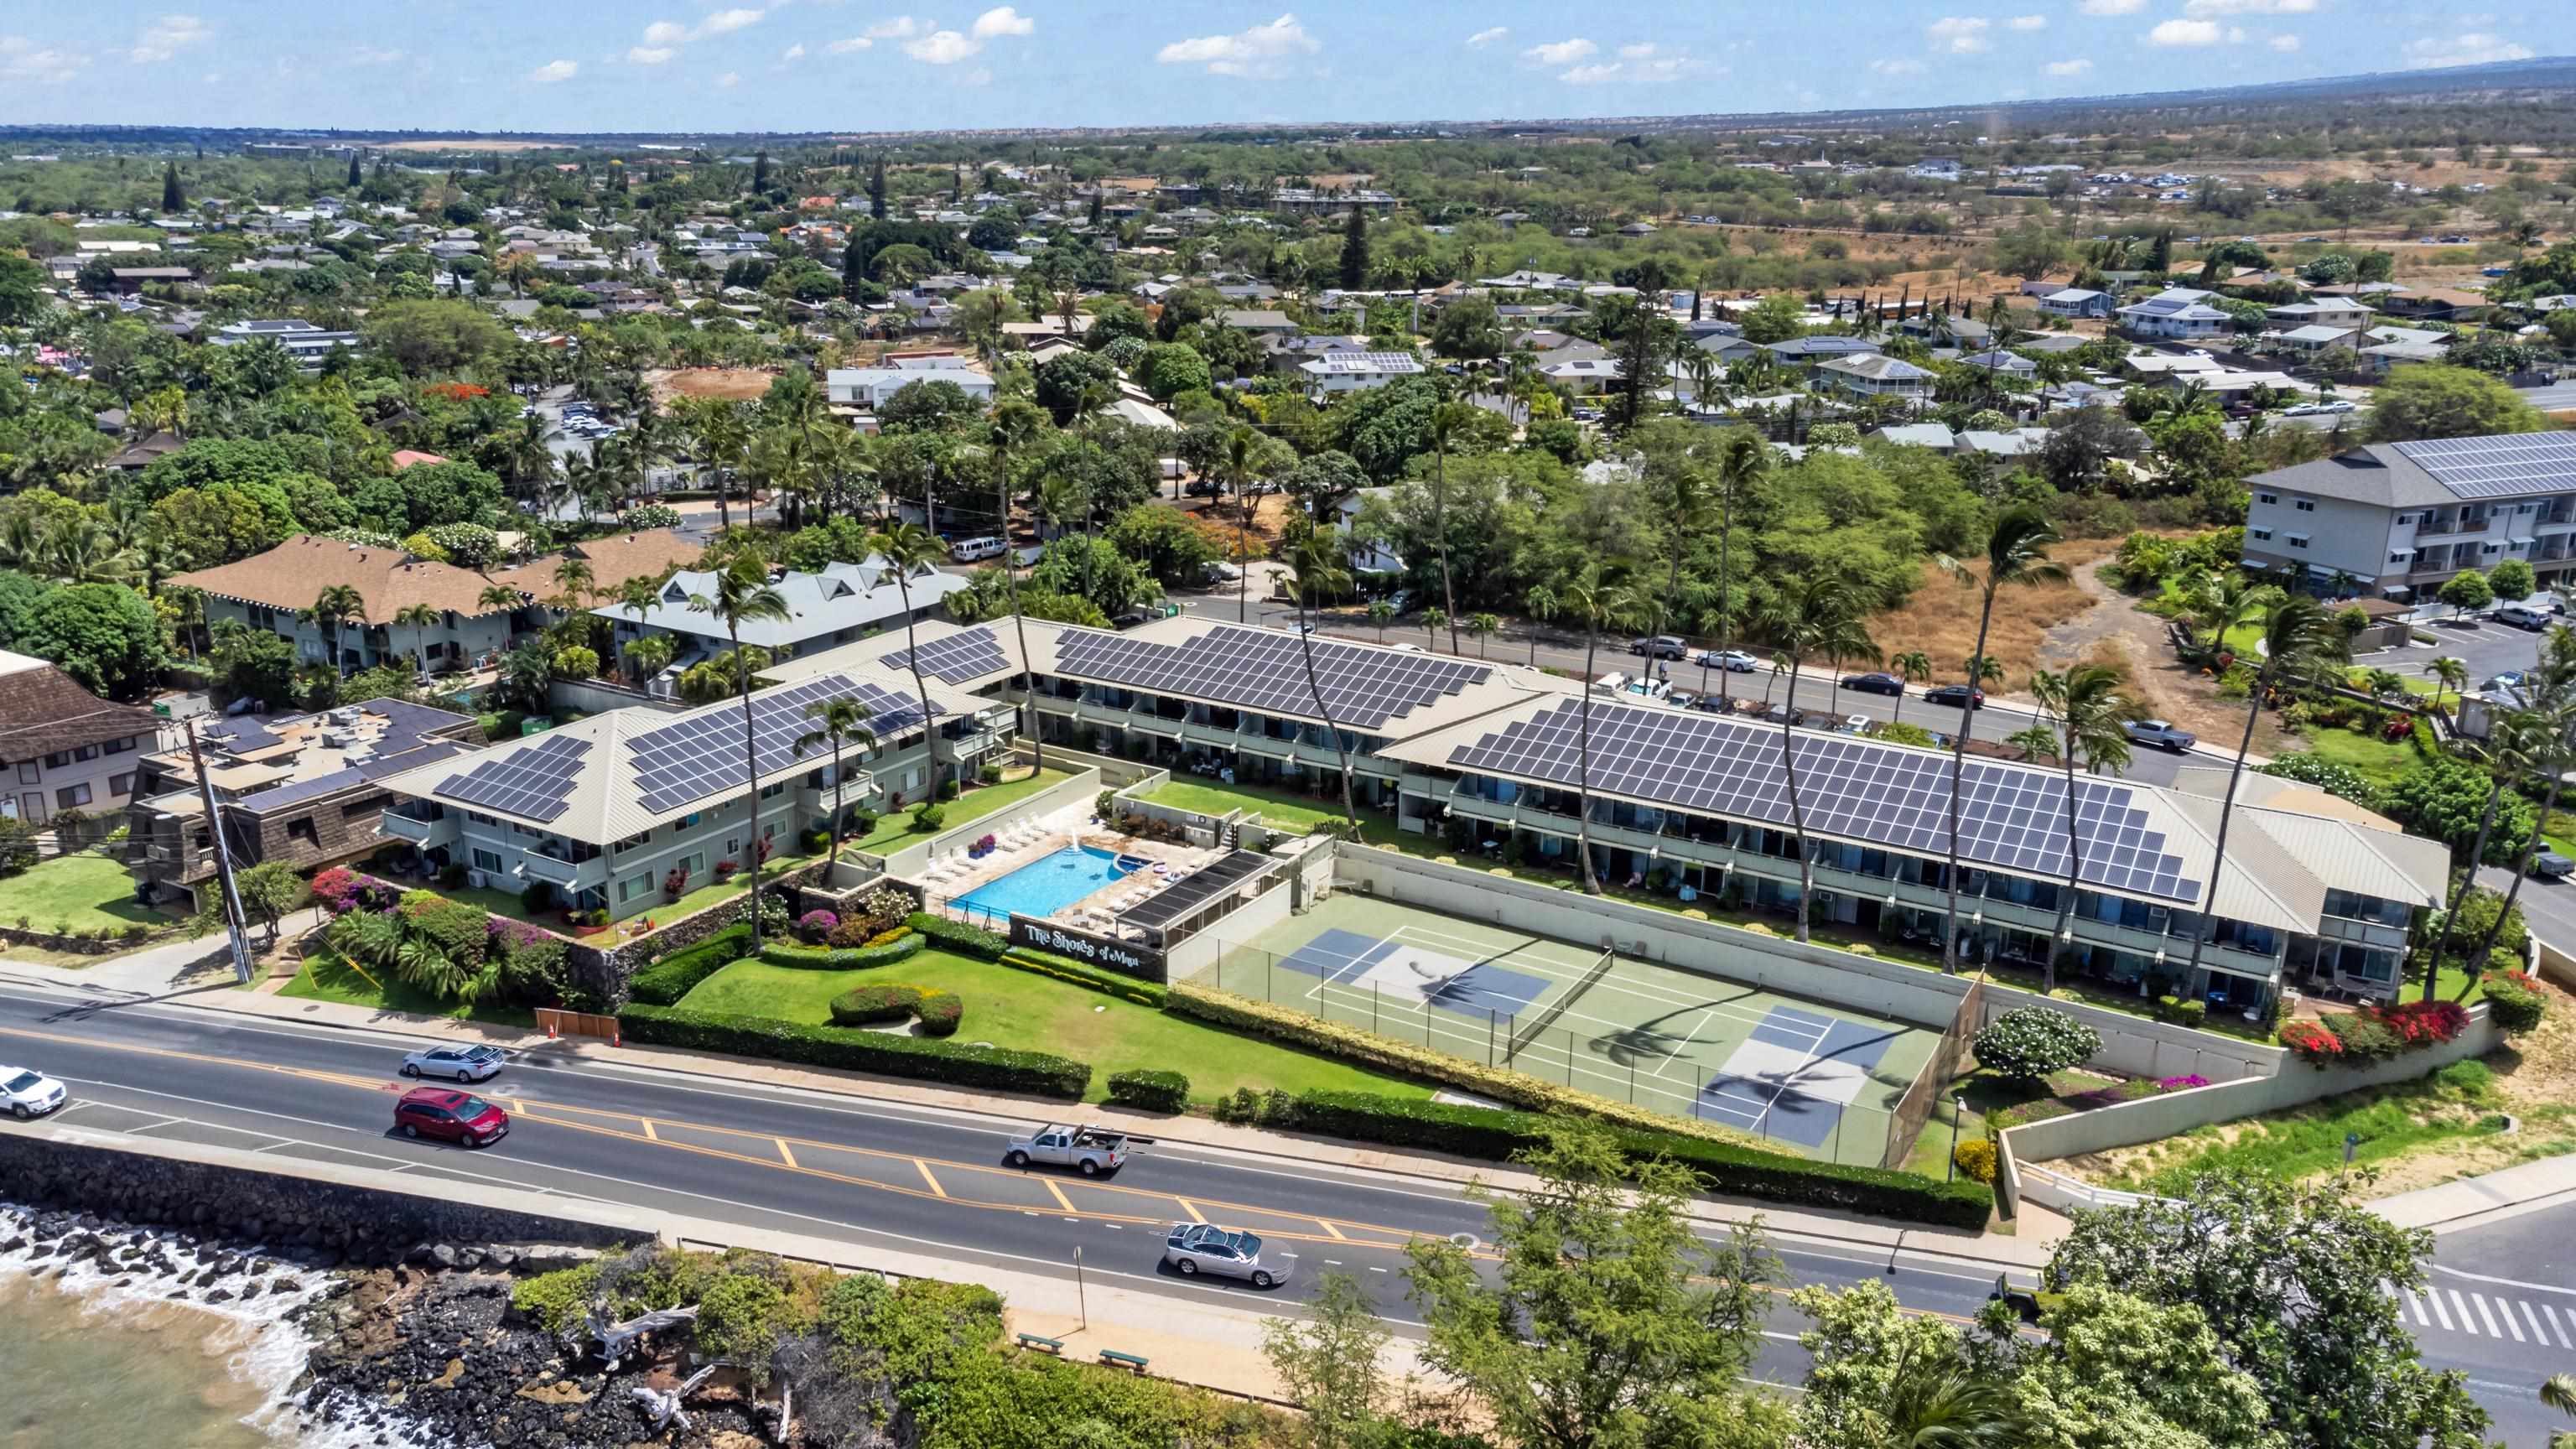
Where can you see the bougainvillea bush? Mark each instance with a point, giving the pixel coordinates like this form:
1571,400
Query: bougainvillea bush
2375,1033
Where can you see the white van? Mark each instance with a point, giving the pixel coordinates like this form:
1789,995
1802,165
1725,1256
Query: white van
970,550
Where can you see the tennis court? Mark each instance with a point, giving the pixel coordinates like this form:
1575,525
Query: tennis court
1805,1075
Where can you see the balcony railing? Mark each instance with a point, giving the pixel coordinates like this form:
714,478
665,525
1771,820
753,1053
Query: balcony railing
552,871
418,832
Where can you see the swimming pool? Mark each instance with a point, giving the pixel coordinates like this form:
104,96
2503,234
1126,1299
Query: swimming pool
1042,887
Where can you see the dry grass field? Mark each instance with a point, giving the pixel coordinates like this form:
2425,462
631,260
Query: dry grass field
1941,618
742,384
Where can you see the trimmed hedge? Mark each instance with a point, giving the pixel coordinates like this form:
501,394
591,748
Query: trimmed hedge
841,958
1721,1167
949,1063
1065,968
1150,1091
963,939
940,1011
2514,1000
665,981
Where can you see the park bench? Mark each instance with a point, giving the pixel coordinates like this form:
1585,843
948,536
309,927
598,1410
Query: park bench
1042,1343
1122,1360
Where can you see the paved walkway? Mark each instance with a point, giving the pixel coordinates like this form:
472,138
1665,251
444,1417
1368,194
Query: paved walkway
2477,1200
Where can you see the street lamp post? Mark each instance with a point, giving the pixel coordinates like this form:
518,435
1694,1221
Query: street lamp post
1958,1114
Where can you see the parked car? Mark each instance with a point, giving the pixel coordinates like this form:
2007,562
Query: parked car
971,550
30,1095
2160,734
1855,724
1662,646
1887,684
1203,488
455,1063
1952,694
2510,679
451,1116
2520,617
1733,661
2338,405
1195,1248
2550,865
1094,1150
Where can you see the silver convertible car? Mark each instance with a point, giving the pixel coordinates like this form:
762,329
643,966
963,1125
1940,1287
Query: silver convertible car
455,1063
1195,1248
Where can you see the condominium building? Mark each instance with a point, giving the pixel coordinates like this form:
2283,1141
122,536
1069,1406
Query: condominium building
2403,518
63,748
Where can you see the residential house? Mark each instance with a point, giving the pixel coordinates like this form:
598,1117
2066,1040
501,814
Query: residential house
2073,302
63,748
870,387
1876,375
2002,364
1821,347
2404,517
1583,374
130,281
1935,436
307,342
1358,371
2320,337
2322,312
1260,321
2177,314
2436,304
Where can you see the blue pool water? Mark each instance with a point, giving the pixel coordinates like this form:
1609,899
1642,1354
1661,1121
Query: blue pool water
1043,886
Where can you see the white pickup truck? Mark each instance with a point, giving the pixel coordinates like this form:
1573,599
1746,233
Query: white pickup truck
1092,1149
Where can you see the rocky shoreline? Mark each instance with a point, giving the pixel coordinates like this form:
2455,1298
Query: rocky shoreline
378,1344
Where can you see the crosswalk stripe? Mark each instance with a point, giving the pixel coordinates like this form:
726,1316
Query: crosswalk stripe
2434,1297
2467,1325
2485,1316
2416,1305
2538,1334
2510,1326
2555,1326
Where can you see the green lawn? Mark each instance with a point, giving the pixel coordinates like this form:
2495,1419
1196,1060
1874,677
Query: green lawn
327,976
1013,1008
85,892
2378,761
895,831
1282,808
1982,1091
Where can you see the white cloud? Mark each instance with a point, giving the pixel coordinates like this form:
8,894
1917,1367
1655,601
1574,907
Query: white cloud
725,22
2112,7
650,54
166,37
1560,52
844,47
1637,52
1484,38
2199,8
2284,43
999,21
2077,66
728,80
22,59
369,55
2027,22
2477,47
1642,66
665,32
1896,67
555,70
941,47
1262,52
2189,33
1960,34
792,53
1590,75
902,27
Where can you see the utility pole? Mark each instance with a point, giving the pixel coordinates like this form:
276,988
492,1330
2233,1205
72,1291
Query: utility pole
223,858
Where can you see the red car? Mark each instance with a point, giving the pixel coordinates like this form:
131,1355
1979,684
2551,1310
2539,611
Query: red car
454,1116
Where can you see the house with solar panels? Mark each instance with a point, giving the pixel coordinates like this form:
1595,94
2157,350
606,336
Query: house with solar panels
2315,890
611,811
2178,314
843,603
2403,518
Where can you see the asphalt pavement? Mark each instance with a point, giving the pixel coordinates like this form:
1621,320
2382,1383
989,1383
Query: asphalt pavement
2501,1308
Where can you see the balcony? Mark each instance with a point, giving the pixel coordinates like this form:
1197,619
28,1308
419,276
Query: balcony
550,870
423,833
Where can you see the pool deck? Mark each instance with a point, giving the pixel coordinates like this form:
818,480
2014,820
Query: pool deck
955,875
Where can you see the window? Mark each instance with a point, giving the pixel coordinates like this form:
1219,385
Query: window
632,841
302,830
121,784
2261,533
485,860
118,747
28,772
633,886
733,845
2399,558
59,758
2296,540
2267,497
2307,505
693,864
690,820
71,797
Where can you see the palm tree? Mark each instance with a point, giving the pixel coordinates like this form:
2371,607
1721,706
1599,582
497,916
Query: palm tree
907,549
1938,1401
419,619
2016,554
1746,458
1599,604
2558,1391
1432,620
1446,419
1688,509
1540,602
1381,613
2552,691
2090,707
1016,423
2520,739
1482,627
498,599
1913,667
2294,638
1241,446
740,594
1821,615
2448,673
1312,572
839,723
575,583
722,429
332,608
649,656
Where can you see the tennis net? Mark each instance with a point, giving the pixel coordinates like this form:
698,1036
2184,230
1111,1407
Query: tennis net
1548,1014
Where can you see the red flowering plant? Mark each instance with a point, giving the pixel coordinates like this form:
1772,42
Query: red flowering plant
457,391
2424,1023
2311,1041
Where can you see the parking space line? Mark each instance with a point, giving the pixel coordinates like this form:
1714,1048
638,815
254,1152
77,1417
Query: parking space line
935,1188
784,1155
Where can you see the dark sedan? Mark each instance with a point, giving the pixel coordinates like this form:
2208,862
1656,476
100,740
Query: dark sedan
1874,684
1956,694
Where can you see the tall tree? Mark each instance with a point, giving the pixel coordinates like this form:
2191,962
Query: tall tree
356,178
1446,419
742,594
1816,616
877,189
1355,250
1741,464
2295,637
2016,554
173,200
1017,423
1313,574
2090,707
332,610
2519,741
907,549
840,723
1600,604
1328,1360
2551,690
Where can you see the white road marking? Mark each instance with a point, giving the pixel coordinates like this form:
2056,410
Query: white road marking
2483,1314
2417,1305
2510,1326
2555,1326
2503,1282
2538,1334
2434,1297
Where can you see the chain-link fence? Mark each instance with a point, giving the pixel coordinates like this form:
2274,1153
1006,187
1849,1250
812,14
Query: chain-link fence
1914,1109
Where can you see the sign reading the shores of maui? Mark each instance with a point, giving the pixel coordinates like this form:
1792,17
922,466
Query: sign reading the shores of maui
1086,947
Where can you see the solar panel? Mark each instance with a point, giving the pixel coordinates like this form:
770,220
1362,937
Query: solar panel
534,783
702,755
1260,669
2010,819
956,658
2497,467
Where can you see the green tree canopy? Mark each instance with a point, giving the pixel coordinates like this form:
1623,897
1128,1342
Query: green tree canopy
104,635
2432,401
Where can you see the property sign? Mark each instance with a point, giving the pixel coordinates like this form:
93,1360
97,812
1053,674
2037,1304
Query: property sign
1088,948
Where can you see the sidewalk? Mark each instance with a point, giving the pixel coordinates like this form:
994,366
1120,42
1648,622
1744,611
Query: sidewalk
2028,1249
2454,1204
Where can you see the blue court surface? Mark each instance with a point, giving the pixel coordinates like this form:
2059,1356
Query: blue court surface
1350,961
1793,1075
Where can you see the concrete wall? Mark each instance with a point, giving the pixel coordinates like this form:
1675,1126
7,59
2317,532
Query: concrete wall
1200,952
913,858
2137,1047
598,696
2151,1119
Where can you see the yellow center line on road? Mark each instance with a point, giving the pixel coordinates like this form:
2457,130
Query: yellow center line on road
1060,1200
935,1188
784,1155
1192,1209
649,1134
1334,1231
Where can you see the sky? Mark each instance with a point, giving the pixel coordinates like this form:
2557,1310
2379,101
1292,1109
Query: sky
817,65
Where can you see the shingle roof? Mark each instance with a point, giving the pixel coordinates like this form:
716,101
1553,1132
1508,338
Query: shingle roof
2376,474
43,710
290,575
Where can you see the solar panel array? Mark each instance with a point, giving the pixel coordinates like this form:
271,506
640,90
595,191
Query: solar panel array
1259,669
956,658
702,755
534,783
2010,819
2499,467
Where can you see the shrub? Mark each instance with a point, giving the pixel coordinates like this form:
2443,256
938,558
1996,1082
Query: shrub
674,976
956,936
930,817
2366,1038
2028,1043
741,1317
2423,1023
1976,1158
947,790
1722,1167
815,925
947,1062
838,958
2514,1000
940,1011
2311,1042
645,517
1150,1091
537,898
1065,968
555,1301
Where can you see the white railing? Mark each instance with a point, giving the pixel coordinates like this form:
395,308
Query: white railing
2060,1193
